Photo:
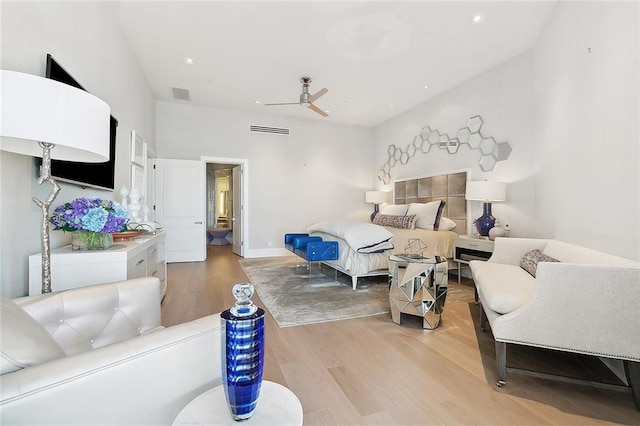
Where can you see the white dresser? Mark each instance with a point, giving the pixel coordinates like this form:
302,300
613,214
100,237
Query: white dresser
143,256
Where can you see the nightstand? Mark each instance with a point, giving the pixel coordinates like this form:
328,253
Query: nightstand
468,248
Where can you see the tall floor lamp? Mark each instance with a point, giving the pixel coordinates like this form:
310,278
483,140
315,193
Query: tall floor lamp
38,115
486,192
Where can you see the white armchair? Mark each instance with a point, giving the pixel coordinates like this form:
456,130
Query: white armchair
99,355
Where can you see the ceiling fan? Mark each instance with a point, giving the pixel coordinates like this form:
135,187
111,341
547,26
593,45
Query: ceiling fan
306,99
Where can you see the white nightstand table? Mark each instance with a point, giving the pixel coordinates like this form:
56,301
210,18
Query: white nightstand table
277,405
468,248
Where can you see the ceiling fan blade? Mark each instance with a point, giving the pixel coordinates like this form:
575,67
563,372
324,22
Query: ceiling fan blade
318,110
316,95
284,103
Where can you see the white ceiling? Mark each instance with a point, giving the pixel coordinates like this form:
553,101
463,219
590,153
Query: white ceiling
370,55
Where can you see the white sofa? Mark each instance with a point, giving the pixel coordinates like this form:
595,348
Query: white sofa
588,302
103,359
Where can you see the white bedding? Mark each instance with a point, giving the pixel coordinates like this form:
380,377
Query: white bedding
439,243
362,237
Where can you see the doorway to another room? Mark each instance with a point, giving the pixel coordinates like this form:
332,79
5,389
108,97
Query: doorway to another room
219,204
226,202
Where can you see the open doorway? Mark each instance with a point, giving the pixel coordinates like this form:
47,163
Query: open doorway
219,204
227,206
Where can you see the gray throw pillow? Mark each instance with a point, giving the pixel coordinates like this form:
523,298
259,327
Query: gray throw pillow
530,260
402,222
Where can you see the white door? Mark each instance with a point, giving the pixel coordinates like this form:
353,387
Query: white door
236,218
180,208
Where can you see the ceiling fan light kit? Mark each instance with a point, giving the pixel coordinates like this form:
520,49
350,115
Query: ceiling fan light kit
307,99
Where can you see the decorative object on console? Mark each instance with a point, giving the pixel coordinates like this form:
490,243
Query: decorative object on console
134,205
92,222
124,193
243,353
87,240
487,192
497,231
376,198
470,135
55,115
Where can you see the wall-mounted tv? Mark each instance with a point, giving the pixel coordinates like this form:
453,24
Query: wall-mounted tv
95,175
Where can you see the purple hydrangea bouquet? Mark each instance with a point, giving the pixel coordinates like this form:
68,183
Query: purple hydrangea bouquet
93,221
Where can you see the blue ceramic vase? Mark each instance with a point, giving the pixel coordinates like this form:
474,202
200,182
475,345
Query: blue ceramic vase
242,353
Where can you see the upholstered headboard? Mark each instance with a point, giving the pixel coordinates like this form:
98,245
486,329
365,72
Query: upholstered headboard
448,187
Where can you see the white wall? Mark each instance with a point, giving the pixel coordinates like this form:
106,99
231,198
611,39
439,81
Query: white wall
502,97
319,171
586,126
87,41
572,119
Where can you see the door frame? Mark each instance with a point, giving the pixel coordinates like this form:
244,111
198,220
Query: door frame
244,164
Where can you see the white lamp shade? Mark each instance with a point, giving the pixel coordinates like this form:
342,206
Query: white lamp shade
375,197
37,109
486,191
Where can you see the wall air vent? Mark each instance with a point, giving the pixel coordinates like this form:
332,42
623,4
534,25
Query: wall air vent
266,129
181,94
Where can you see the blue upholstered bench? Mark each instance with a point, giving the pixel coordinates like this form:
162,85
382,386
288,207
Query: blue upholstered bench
311,248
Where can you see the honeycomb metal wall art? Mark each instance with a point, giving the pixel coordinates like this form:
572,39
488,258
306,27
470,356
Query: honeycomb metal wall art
491,151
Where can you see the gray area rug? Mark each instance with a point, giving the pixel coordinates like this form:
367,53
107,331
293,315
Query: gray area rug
293,299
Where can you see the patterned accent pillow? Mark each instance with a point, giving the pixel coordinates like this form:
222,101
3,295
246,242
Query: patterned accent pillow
402,222
530,260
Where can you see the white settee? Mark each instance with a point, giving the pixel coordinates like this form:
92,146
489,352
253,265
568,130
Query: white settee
588,302
98,355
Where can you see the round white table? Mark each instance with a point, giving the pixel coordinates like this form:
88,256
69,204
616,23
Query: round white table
277,405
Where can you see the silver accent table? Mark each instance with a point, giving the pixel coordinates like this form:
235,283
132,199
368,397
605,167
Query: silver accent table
418,287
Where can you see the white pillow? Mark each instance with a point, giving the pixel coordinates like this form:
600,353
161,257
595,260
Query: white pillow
428,214
23,341
446,224
394,209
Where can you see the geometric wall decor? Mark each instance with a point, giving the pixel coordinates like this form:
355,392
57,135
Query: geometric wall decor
491,151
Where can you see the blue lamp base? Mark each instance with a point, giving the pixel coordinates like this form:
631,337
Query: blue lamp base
485,222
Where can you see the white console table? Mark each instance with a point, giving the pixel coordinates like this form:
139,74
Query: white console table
140,257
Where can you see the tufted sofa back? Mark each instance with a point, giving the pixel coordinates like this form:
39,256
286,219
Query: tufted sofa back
96,316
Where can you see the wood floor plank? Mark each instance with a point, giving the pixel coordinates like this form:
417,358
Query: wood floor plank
371,371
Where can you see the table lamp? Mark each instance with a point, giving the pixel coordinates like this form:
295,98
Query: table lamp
38,114
376,198
487,192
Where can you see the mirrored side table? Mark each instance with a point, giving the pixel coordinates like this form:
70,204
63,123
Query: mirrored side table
418,286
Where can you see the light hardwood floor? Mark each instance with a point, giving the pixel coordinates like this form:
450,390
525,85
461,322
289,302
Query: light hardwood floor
372,371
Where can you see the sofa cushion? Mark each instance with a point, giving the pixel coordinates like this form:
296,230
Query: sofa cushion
23,341
504,288
530,260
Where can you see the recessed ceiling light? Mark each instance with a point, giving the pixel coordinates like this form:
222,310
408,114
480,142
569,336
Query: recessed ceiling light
187,60
426,87
478,19
392,106
258,102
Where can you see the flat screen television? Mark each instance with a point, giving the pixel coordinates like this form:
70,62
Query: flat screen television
94,175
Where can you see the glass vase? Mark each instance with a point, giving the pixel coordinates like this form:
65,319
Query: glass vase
242,353
87,240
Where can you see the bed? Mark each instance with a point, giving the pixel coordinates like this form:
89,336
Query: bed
448,188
